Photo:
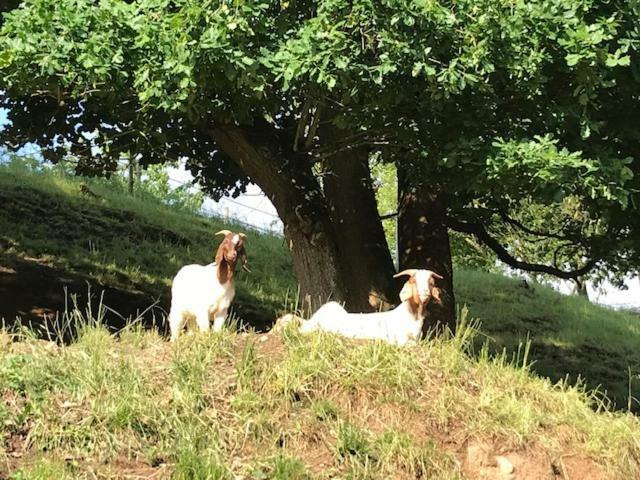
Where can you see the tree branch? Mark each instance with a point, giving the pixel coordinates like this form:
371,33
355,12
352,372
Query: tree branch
482,235
356,140
512,221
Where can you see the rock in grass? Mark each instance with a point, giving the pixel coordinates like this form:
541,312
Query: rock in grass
504,465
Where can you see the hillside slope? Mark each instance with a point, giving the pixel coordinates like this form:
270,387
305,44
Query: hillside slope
52,236
569,336
281,406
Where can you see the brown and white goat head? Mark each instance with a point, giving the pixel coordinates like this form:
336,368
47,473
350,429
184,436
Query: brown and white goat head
420,288
230,251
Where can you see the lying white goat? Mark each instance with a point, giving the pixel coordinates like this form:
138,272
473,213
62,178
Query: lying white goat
399,326
206,291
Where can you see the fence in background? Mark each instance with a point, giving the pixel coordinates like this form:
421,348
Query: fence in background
227,209
230,210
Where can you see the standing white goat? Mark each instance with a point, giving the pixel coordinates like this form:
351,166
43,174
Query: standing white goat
399,326
206,291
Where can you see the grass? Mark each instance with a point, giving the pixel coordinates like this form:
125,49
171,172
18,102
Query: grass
138,244
570,337
133,243
285,406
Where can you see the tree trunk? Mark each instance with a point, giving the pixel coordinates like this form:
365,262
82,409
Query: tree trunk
130,179
361,242
340,255
423,242
581,288
298,199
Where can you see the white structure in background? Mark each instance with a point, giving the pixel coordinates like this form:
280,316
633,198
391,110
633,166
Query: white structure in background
609,295
252,208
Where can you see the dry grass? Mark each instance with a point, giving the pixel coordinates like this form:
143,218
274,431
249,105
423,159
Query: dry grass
286,406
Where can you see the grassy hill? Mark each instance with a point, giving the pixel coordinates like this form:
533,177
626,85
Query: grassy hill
285,406
569,336
53,235
280,406
51,227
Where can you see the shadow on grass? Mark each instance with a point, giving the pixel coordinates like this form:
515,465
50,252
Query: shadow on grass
37,295
600,367
570,337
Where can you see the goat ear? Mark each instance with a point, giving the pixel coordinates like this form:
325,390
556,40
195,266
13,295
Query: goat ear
435,294
439,277
244,263
242,235
223,232
406,292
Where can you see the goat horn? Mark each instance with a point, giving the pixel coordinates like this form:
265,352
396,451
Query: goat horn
223,232
439,277
242,235
410,271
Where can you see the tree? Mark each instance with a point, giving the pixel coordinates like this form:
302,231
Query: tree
479,105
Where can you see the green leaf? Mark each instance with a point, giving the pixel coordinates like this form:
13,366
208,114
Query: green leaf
573,59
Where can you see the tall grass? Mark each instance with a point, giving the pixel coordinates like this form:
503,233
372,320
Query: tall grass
226,405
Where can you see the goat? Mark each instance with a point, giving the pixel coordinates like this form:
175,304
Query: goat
400,326
206,291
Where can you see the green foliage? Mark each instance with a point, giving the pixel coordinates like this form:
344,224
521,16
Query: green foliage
157,185
386,186
43,470
192,464
281,467
324,410
493,102
352,441
553,173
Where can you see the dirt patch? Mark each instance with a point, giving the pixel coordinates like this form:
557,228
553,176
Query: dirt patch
131,469
483,460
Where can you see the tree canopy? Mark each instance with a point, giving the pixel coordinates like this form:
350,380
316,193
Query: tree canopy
492,105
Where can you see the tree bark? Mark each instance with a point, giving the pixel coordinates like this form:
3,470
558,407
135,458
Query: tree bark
336,239
297,197
423,242
581,288
360,238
